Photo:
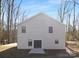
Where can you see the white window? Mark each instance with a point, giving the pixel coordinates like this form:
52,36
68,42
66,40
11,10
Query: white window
30,42
56,42
50,29
23,29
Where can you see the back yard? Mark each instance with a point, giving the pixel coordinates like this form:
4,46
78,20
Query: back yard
11,51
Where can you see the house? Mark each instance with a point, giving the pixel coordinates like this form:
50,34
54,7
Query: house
41,31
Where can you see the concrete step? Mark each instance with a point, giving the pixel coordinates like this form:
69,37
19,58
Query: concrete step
37,51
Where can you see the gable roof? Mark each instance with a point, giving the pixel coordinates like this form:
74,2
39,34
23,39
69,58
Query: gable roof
43,14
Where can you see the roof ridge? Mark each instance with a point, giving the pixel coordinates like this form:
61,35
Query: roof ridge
40,13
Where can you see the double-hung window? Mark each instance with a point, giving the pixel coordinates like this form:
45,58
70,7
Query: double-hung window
23,29
50,29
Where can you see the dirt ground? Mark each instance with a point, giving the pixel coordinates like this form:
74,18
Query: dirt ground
10,51
73,45
15,53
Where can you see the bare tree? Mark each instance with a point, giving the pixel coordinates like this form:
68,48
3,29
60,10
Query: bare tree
10,10
16,16
2,19
0,9
74,19
63,10
74,28
69,16
10,18
0,12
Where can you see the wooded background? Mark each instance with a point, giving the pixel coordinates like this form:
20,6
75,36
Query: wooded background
9,16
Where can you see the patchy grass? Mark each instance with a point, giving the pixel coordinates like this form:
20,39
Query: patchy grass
73,45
